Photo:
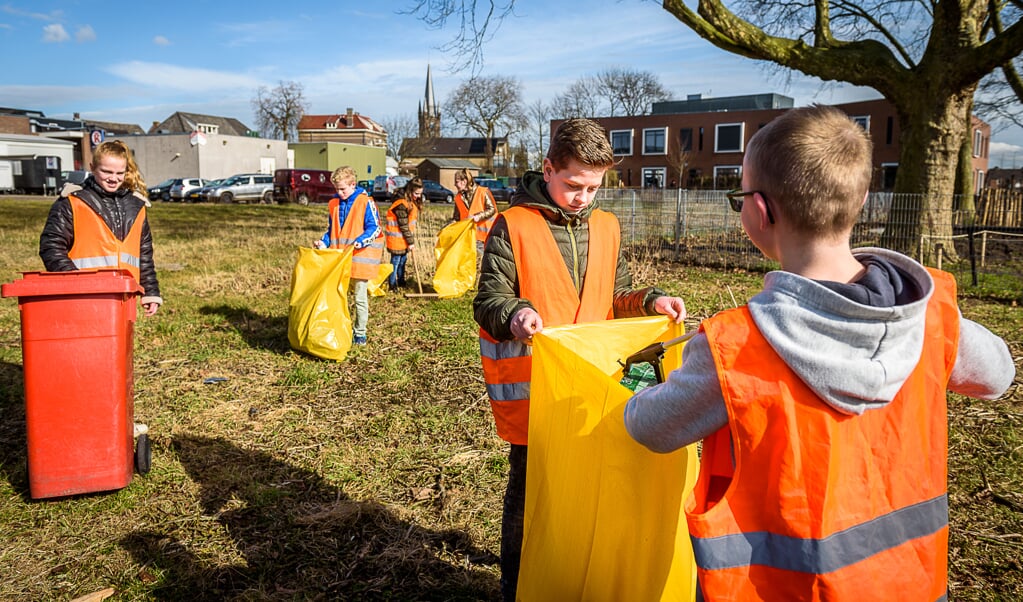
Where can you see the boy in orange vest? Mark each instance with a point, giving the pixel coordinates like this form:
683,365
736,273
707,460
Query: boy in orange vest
353,221
821,403
102,223
552,258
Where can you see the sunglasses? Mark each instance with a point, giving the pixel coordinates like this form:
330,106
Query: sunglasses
735,199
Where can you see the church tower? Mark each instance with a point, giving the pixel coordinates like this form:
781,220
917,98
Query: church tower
429,116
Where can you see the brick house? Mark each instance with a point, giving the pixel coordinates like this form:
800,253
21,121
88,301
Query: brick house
699,142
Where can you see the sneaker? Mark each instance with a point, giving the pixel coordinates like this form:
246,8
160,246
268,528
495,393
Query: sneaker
359,340
141,429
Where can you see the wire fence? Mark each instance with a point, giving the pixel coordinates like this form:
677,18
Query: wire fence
979,240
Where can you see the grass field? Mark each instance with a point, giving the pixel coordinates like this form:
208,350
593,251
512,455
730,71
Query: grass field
376,478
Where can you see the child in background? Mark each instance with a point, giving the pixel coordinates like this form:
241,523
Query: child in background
400,231
821,403
474,202
552,258
102,223
352,220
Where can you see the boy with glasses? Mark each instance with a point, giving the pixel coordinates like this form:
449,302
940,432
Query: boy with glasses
821,403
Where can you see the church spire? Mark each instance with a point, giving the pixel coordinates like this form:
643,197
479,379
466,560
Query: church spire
429,115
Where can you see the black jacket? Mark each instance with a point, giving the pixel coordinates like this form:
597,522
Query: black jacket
498,299
118,210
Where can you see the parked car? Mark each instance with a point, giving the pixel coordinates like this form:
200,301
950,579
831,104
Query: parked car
180,189
202,194
435,193
245,187
161,192
502,193
384,186
302,185
366,185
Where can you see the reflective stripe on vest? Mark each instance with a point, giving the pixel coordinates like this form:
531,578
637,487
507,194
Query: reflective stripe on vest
478,205
392,231
365,261
96,246
545,282
820,505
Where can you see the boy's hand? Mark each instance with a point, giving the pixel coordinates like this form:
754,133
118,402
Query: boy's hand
318,244
673,307
150,308
525,323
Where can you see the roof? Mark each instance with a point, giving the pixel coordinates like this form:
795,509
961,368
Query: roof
183,123
695,103
452,147
339,122
450,163
116,129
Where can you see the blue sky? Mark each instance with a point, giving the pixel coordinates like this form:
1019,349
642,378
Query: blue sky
140,62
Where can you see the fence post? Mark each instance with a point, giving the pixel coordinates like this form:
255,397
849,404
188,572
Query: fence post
678,219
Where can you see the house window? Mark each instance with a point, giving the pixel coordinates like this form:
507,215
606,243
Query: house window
685,139
728,138
978,142
655,141
621,142
888,172
727,177
207,128
331,125
653,177
863,121
978,182
889,131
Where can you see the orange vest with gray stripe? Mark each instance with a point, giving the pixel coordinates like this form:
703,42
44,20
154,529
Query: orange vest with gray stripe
95,245
365,261
478,205
822,505
392,232
545,282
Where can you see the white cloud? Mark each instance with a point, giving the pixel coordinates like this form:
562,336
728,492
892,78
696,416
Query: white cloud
51,16
161,41
162,75
55,33
85,33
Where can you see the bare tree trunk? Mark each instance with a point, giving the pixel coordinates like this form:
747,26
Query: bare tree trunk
932,135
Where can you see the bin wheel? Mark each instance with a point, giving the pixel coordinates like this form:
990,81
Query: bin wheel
143,454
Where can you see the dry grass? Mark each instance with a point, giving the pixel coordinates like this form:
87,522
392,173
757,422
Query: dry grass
377,478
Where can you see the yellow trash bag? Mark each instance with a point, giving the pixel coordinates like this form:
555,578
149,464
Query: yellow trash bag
376,287
604,516
456,259
318,319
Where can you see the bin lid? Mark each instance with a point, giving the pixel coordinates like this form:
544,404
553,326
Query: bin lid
79,282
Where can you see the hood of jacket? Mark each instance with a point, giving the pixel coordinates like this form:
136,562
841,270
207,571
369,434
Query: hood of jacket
532,192
854,349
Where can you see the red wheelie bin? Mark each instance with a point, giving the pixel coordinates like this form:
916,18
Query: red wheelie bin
77,331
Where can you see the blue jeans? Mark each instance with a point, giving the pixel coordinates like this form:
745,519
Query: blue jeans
397,277
511,522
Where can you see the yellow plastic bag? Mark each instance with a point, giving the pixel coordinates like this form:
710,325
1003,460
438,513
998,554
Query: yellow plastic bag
376,287
456,259
604,516
318,319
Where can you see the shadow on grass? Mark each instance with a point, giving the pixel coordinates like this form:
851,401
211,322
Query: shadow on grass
301,538
12,426
260,332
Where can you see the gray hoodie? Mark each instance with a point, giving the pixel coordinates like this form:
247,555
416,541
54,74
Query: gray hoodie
852,344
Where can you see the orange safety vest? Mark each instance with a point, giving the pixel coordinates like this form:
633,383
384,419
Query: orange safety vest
392,233
96,246
365,261
477,206
544,280
822,505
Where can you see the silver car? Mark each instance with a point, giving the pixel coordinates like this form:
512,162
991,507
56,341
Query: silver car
245,188
179,191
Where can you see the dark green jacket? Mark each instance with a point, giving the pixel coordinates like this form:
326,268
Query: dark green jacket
498,297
